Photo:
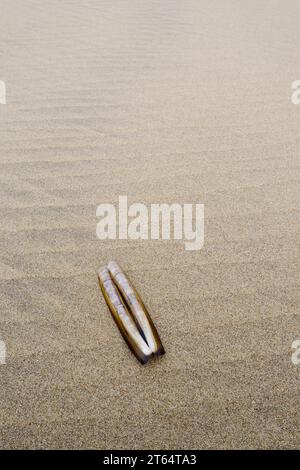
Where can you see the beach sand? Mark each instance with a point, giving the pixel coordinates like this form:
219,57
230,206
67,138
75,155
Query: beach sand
162,101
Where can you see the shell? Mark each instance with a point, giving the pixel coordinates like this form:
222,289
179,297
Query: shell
122,317
137,308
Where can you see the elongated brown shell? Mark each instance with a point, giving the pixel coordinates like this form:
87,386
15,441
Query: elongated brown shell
137,308
122,317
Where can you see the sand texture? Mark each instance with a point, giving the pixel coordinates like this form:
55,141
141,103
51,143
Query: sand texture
164,101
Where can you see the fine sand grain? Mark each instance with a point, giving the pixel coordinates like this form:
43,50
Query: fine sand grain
164,101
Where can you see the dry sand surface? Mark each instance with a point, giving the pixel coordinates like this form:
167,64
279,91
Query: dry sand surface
164,101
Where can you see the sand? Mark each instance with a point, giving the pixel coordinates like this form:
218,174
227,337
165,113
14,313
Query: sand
162,101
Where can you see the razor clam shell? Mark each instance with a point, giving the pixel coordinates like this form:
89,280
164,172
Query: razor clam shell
123,319
137,308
